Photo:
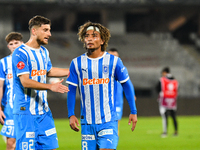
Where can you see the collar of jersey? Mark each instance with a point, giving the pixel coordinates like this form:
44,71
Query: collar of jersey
35,49
95,58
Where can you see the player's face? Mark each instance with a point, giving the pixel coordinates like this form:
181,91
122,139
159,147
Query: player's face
12,45
114,53
43,33
93,40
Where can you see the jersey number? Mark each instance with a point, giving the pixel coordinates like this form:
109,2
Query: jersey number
84,145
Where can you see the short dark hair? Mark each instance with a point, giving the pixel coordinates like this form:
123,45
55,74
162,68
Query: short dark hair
166,69
13,36
38,21
113,50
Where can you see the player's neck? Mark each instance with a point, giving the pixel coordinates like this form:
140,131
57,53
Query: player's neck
33,43
97,53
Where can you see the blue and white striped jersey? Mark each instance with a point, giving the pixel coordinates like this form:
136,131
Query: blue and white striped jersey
36,63
6,74
96,79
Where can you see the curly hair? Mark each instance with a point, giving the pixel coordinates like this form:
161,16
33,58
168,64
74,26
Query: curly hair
13,36
104,32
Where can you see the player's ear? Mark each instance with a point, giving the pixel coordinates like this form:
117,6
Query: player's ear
33,31
102,42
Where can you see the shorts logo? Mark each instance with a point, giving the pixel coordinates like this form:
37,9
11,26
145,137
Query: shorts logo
105,69
10,122
50,131
24,145
20,65
95,81
105,132
38,72
30,134
88,137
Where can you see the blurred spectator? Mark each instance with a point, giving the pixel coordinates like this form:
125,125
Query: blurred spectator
167,88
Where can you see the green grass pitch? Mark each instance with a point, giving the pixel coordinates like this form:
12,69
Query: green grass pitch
145,137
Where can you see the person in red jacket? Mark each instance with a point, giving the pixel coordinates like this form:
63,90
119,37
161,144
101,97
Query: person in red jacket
168,91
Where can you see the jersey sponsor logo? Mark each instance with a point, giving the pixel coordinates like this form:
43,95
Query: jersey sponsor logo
30,134
105,132
20,65
10,76
50,131
88,137
38,73
95,81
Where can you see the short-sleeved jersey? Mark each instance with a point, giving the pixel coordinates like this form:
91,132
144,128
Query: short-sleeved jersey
96,79
6,74
36,63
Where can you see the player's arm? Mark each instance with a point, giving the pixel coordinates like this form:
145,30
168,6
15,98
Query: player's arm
121,74
55,87
130,96
58,72
71,101
2,116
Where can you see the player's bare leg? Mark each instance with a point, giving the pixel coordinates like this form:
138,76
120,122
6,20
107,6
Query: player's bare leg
11,143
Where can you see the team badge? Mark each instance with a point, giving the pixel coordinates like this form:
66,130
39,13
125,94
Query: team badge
24,145
105,69
20,65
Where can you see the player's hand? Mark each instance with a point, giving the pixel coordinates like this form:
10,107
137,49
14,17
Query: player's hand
133,119
73,122
58,87
2,117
